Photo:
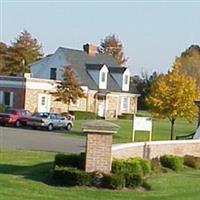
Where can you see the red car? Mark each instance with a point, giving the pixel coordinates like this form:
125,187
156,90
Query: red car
15,117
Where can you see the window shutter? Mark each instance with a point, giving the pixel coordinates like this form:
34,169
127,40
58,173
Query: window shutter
1,97
11,99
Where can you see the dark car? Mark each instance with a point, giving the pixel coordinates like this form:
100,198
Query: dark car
15,117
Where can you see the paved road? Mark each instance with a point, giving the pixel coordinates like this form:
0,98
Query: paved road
19,138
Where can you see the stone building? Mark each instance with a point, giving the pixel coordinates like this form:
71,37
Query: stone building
105,83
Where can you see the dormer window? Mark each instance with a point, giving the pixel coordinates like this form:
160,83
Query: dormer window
103,77
126,80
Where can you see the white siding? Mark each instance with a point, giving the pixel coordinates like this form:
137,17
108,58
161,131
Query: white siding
57,60
103,85
125,86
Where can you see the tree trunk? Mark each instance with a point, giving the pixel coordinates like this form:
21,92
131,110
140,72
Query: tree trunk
172,129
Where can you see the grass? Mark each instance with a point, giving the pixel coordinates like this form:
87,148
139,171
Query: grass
25,175
161,129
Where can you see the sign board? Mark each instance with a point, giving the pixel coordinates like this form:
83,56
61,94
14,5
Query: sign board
142,124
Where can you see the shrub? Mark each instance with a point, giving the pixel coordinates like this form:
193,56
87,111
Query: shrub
2,108
172,162
81,115
126,116
71,176
133,180
70,160
113,181
192,161
155,165
131,165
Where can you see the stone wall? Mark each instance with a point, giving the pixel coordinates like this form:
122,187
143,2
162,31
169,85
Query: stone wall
156,149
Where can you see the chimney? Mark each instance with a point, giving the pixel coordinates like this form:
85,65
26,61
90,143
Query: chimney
90,49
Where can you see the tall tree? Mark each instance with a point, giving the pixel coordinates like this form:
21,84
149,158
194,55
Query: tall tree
189,62
113,46
143,86
69,90
23,51
3,52
172,96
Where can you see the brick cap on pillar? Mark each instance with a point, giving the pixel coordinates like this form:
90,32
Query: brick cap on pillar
99,126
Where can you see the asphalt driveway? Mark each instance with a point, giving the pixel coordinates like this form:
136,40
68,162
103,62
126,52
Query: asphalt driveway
19,138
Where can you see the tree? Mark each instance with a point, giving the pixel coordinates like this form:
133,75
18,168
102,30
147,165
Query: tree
68,90
23,51
113,46
143,86
3,52
189,62
172,96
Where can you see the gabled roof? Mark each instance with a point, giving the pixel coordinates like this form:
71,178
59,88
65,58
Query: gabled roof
82,63
117,69
94,66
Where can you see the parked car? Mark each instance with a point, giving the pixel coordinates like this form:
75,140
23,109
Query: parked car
15,117
49,121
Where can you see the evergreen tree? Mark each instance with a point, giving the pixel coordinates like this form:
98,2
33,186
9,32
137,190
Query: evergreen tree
113,46
68,90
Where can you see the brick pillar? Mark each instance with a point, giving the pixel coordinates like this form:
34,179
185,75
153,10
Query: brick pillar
99,145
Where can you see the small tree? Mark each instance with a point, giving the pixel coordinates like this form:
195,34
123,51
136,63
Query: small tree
113,46
68,90
172,96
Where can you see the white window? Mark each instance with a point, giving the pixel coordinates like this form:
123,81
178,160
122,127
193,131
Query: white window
124,104
126,79
103,77
6,98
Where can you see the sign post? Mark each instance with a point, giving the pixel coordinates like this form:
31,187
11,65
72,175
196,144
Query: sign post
142,124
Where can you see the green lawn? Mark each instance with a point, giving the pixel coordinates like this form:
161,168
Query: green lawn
161,130
24,176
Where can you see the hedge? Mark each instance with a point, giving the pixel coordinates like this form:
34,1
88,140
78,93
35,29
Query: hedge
71,176
172,162
192,161
113,181
70,160
131,165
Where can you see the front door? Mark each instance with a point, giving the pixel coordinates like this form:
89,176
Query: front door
101,108
43,103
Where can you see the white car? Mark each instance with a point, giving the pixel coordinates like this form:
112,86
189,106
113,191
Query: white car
49,121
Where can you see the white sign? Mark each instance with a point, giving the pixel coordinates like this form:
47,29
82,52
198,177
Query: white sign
142,123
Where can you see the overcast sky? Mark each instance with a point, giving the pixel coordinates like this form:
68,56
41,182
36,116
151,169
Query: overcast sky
153,33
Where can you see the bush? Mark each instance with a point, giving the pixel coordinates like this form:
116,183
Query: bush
172,162
133,180
70,160
126,116
113,181
192,161
131,165
2,108
155,165
81,115
71,176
